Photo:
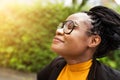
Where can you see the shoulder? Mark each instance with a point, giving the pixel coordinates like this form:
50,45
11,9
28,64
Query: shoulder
109,72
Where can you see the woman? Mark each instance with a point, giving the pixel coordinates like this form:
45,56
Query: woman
79,40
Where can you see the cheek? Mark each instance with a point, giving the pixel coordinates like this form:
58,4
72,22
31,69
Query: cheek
76,42
77,37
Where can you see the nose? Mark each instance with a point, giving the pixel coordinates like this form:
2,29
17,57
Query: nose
59,31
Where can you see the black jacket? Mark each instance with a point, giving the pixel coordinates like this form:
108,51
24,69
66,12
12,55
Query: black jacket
98,71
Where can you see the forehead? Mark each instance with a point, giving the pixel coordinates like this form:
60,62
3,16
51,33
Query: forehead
80,18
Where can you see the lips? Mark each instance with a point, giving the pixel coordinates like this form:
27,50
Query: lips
56,39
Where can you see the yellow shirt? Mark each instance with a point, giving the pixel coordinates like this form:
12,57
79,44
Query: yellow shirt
75,72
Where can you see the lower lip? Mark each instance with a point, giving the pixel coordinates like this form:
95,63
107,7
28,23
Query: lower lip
56,40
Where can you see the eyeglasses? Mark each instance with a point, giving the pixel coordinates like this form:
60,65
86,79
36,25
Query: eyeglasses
68,26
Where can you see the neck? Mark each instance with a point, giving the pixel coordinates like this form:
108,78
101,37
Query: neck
76,60
79,59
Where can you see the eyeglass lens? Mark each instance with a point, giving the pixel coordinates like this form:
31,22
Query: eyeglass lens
67,26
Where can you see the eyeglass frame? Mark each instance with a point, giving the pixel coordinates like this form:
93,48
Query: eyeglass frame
74,25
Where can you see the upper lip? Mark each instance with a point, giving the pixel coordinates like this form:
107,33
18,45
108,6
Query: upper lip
59,39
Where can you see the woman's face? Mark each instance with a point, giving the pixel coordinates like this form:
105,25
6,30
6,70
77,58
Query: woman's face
77,41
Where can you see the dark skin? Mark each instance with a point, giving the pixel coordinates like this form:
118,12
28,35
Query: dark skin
77,46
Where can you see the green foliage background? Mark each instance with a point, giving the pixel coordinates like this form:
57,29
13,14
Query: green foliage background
26,34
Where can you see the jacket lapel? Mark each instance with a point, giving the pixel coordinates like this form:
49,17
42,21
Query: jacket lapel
57,69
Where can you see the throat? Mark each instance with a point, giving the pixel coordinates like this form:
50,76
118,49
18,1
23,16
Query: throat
72,61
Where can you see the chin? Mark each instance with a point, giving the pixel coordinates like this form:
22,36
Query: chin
53,48
56,49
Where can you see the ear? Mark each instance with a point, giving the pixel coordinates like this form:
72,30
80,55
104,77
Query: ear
94,41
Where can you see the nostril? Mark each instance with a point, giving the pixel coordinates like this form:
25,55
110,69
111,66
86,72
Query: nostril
59,31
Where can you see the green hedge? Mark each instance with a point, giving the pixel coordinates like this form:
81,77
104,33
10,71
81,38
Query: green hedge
26,34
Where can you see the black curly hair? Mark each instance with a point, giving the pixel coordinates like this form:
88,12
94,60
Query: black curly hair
106,23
